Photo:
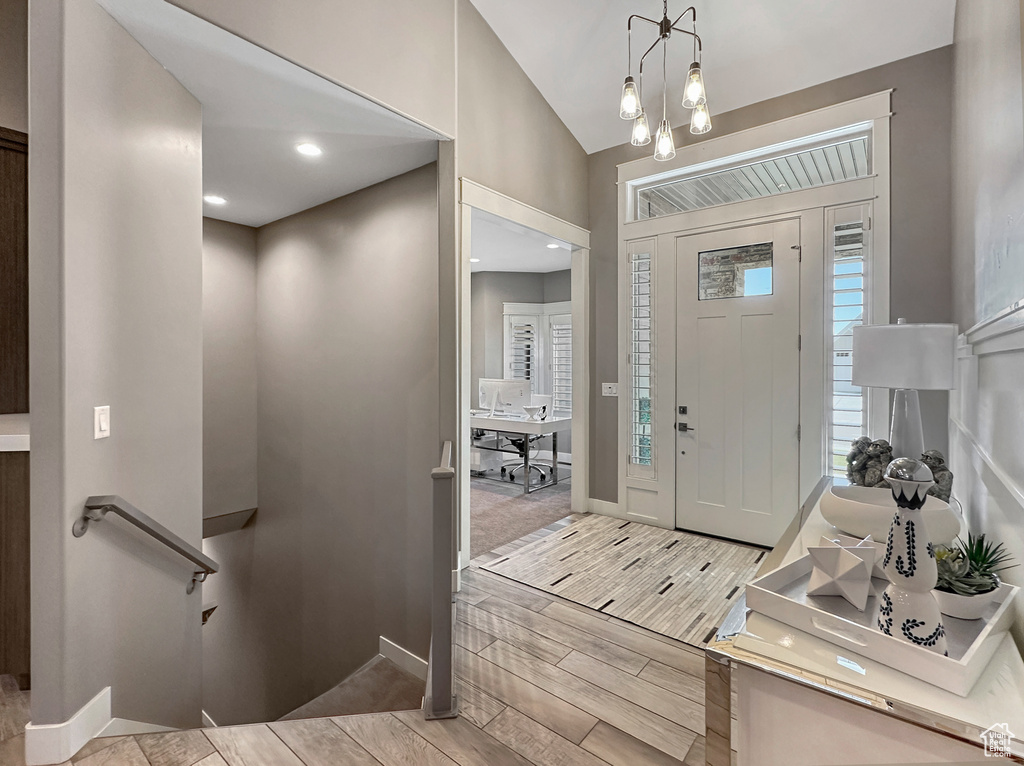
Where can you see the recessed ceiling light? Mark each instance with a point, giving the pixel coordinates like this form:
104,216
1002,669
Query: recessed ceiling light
214,199
553,246
310,150
474,260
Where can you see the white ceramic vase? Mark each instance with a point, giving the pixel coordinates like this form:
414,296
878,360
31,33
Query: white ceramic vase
908,611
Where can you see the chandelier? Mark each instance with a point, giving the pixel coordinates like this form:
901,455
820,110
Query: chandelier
694,96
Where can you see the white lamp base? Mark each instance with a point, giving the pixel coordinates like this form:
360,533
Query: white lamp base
906,434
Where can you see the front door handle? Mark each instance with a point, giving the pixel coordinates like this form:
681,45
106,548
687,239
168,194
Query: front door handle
682,427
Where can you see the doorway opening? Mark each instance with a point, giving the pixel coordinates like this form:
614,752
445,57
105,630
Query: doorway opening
523,383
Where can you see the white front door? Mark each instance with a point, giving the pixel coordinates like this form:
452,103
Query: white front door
738,381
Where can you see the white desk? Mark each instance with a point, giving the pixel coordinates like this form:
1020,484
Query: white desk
800,704
521,427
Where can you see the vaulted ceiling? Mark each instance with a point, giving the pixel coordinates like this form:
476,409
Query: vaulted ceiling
575,51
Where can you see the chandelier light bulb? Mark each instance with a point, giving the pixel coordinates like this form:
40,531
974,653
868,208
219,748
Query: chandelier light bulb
700,119
665,147
694,93
641,131
629,106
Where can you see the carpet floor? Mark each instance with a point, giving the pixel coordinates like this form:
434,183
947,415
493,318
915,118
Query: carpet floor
501,513
674,583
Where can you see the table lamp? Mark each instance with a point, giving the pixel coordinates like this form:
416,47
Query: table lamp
906,357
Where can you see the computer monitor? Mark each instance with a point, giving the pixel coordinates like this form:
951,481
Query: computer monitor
506,396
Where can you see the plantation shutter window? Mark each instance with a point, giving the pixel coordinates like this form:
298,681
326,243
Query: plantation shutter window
560,345
521,351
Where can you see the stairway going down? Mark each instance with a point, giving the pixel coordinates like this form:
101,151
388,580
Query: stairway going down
379,686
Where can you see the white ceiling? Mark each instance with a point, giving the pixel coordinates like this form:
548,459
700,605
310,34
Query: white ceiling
575,50
257,107
502,245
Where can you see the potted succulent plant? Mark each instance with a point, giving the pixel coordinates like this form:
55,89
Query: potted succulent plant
968,576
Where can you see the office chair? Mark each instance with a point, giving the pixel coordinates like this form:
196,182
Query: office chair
521,445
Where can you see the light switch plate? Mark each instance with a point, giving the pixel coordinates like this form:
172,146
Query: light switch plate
101,422
609,389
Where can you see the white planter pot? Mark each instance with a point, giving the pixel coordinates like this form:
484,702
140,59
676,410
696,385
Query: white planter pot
964,607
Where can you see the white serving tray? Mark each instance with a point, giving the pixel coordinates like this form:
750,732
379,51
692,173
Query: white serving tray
782,595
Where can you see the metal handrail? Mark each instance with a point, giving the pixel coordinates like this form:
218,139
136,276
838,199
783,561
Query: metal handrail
440,700
98,506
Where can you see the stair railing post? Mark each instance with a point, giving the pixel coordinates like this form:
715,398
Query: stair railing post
440,700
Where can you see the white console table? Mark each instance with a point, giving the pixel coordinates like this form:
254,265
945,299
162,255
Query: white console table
804,701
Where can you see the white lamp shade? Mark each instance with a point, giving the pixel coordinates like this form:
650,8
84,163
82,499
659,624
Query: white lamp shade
921,356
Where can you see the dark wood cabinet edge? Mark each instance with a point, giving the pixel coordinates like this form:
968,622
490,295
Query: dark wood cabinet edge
13,139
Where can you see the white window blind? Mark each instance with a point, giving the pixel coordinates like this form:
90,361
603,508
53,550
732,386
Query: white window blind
560,346
847,271
521,349
641,443
538,348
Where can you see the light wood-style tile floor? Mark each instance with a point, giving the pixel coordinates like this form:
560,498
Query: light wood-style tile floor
541,681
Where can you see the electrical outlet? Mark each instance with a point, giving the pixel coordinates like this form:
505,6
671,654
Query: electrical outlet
101,422
609,389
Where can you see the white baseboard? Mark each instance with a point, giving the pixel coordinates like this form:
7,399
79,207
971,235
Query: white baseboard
405,659
208,723
56,743
603,507
125,727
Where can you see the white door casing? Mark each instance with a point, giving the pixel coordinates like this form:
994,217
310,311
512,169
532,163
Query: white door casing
738,376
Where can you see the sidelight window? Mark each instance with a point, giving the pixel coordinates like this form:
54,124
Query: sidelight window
846,277
641,342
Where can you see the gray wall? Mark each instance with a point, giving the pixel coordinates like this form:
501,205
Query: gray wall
490,290
116,319
988,236
237,658
348,432
988,194
510,139
558,286
229,367
921,279
234,677
14,64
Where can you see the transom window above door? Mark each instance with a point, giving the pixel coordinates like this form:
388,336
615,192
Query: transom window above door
806,163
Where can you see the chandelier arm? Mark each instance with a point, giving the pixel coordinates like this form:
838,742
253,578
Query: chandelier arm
691,34
653,46
691,8
629,24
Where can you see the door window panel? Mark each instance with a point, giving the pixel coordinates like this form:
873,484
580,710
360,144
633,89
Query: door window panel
735,272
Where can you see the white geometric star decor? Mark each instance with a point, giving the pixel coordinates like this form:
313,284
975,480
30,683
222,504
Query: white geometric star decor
841,571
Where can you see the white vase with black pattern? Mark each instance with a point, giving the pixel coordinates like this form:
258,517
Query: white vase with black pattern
908,610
